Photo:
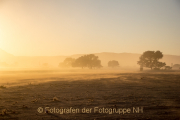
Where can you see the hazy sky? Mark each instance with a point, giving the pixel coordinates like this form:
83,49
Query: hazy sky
66,27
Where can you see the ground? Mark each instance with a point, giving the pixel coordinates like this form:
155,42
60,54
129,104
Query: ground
24,94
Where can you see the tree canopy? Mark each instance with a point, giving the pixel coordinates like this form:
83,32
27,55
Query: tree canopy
168,68
67,62
150,59
90,61
113,63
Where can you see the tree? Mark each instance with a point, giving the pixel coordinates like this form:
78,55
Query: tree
159,65
150,59
176,66
67,62
168,68
90,61
113,63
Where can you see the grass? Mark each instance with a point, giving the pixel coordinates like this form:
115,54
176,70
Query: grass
2,87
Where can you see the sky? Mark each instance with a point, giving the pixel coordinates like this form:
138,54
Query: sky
67,27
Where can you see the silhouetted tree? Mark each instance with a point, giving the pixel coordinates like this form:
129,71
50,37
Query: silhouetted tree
160,65
67,62
176,66
150,59
168,68
90,61
113,63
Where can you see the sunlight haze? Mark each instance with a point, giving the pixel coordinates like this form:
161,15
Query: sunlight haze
67,27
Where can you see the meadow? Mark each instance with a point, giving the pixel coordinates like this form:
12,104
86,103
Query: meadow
82,94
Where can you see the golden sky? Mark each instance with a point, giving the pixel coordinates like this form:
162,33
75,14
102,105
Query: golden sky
66,27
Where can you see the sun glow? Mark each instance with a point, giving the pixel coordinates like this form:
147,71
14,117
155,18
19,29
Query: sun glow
1,38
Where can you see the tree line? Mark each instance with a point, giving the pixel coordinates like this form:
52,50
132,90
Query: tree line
149,59
86,61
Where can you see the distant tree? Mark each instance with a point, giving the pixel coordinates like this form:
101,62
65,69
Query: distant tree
159,65
90,61
150,59
113,63
67,62
168,68
97,64
80,62
176,66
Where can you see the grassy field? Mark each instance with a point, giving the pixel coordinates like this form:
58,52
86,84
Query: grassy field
51,95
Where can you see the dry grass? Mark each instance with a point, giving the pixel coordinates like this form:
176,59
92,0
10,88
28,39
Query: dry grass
158,93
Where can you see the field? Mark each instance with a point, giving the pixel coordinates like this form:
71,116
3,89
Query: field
52,95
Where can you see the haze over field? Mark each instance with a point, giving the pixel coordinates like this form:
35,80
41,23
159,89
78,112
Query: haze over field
126,60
